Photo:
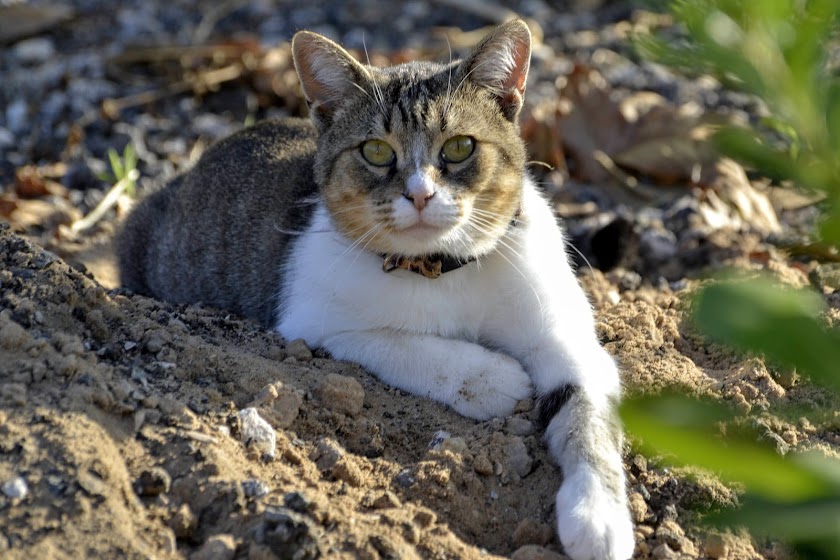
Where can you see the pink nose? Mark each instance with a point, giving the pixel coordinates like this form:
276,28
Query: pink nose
419,190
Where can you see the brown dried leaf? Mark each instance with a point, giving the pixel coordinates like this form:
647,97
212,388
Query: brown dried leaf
31,182
8,204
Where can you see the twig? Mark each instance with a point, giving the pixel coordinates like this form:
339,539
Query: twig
105,204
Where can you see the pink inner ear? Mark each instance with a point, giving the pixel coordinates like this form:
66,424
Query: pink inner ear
519,75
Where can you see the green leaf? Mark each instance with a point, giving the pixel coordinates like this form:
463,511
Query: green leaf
684,428
116,164
815,521
781,323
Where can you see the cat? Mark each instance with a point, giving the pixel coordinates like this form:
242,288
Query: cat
400,230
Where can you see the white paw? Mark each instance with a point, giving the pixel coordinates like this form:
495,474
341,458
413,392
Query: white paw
592,523
492,385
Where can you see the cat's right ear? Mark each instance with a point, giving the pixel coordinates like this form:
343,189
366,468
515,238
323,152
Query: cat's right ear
328,74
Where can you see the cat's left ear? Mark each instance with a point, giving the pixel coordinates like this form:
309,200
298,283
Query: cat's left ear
500,64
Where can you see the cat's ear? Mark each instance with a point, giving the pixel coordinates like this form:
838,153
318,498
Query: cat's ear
500,64
328,74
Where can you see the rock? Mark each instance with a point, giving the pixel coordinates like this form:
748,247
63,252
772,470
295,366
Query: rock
341,394
425,518
348,471
517,426
217,547
638,507
7,139
387,500
289,534
531,531
12,335
673,535
455,445
152,482
715,546
17,115
34,51
534,552
299,350
664,552
298,502
405,478
525,405
439,437
519,460
13,394
254,488
326,454
284,409
257,432
482,465
184,522
16,488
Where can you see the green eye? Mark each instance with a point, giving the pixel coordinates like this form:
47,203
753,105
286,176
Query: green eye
457,149
378,153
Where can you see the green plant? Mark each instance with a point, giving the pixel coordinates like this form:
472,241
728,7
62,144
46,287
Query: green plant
124,169
778,50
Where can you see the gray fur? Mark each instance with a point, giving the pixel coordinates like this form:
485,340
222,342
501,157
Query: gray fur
217,234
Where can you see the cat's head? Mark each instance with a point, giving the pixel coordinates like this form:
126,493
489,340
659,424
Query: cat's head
419,158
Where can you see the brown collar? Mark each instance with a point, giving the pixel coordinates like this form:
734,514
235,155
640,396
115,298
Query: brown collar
431,266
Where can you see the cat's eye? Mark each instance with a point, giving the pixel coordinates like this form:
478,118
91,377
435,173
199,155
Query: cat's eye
378,153
457,149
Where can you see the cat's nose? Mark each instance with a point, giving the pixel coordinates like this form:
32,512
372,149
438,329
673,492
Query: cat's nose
419,189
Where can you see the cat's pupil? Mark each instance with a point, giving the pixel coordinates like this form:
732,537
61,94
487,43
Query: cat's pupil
378,153
457,149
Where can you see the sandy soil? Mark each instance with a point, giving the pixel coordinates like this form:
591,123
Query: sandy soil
120,415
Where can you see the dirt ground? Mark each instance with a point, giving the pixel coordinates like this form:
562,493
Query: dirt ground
122,431
120,415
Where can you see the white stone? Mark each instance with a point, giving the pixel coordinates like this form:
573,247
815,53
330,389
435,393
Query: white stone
257,432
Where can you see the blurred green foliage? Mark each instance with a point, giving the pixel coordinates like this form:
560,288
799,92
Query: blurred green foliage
786,52
123,168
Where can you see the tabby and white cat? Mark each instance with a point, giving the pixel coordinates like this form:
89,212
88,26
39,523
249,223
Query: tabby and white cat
403,233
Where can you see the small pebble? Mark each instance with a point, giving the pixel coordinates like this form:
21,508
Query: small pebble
326,454
517,426
535,552
16,488
455,445
34,51
439,437
531,531
638,507
519,459
341,394
715,546
664,552
387,500
257,432
425,518
184,522
299,350
217,547
254,488
289,534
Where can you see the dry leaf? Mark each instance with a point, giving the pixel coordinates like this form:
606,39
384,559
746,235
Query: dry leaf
32,182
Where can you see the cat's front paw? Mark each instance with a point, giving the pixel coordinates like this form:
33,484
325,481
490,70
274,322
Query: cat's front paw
492,385
592,523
